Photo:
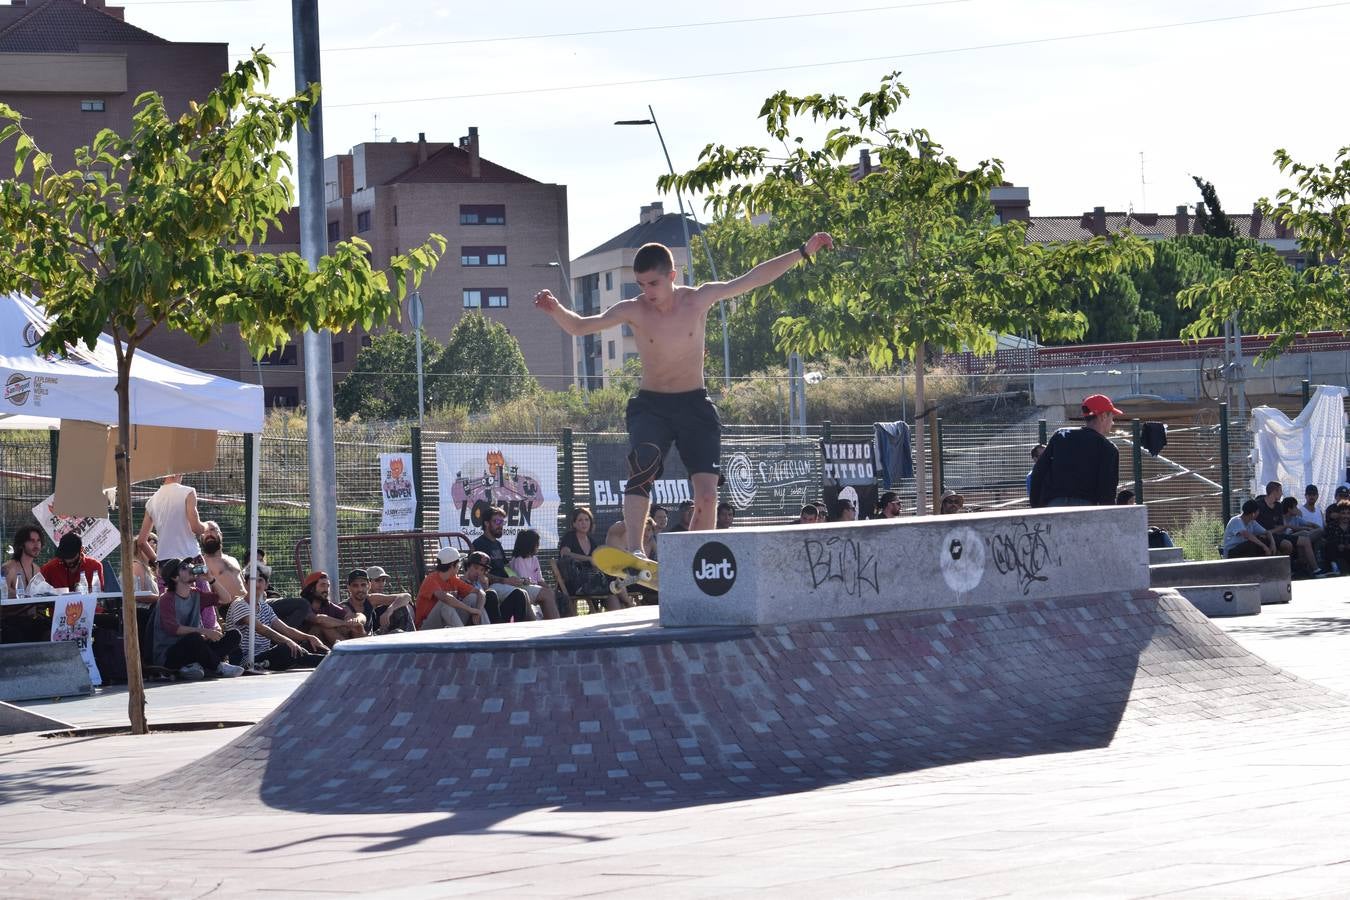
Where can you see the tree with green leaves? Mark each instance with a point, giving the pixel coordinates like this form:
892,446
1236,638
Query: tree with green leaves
481,366
1266,294
382,384
155,230
922,263
1213,220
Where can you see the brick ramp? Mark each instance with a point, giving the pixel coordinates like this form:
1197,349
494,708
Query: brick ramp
614,710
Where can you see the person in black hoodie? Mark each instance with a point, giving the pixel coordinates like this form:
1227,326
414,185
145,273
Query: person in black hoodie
1080,466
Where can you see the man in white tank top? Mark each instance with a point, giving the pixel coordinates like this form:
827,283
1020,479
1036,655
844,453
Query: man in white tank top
172,512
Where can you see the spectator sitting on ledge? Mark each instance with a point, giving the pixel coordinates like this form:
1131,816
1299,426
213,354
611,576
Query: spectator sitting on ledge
393,611
445,600
182,640
1244,536
276,645
888,506
324,618
952,503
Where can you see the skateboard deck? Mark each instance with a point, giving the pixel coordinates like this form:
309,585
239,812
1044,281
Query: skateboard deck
626,569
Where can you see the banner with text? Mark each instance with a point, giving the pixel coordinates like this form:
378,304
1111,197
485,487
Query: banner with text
73,620
770,479
396,487
607,463
100,536
520,478
849,474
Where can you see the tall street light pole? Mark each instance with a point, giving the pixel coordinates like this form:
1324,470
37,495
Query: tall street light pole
318,345
688,245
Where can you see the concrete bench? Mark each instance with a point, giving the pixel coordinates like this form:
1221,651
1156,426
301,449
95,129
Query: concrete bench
1272,573
43,669
1219,601
1159,555
803,573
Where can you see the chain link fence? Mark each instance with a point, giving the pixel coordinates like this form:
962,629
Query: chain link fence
769,473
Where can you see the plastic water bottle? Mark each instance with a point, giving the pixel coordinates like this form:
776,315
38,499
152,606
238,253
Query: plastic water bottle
20,586
96,586
81,585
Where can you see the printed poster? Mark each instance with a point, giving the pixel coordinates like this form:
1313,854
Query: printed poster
520,478
396,489
849,474
100,536
73,620
607,463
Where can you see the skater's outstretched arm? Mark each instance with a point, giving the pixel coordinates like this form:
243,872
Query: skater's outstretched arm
765,273
576,325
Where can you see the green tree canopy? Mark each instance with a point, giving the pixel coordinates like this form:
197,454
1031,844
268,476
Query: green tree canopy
481,366
1268,296
157,229
1213,220
382,384
920,260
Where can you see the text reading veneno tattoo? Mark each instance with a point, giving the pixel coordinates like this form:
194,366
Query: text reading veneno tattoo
1025,551
842,560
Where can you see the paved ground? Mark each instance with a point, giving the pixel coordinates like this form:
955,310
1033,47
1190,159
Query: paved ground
1267,816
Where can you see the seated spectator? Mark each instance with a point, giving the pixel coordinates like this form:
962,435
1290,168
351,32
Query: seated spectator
182,640
580,576
223,568
888,505
445,600
276,645
660,517
525,564
489,543
361,603
809,515
686,515
501,602
951,504
70,568
1035,455
1305,537
726,515
1268,513
29,622
1336,535
617,536
1157,538
393,611
324,618
1244,536
848,512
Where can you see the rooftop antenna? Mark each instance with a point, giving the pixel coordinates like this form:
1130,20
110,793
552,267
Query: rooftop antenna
377,127
1143,183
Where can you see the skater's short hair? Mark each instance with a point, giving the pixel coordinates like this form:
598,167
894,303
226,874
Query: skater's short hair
653,258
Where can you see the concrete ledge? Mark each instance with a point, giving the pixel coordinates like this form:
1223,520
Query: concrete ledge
1220,601
1272,573
1159,555
796,573
43,669
17,720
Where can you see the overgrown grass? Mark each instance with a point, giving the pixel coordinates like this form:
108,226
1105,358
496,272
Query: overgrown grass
1200,537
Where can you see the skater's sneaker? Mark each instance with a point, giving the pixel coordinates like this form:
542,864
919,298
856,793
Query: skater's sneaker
229,670
192,672
638,554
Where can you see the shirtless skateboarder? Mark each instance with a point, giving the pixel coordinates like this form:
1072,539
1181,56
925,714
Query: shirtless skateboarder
672,406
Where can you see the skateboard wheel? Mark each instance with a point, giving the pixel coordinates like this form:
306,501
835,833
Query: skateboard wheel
645,575
615,586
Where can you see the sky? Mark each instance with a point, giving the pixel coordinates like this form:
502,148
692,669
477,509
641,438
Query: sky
1067,93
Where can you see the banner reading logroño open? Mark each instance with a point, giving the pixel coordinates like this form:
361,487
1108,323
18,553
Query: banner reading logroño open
520,478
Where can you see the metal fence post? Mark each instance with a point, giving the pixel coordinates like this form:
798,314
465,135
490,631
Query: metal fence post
939,470
568,494
1307,391
1136,428
1042,431
1225,473
53,451
249,499
419,482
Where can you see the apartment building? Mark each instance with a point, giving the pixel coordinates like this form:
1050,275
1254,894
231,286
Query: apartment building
604,275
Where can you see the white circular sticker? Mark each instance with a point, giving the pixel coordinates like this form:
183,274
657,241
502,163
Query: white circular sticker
961,556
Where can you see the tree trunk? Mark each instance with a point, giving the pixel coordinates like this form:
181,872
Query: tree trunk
131,638
920,488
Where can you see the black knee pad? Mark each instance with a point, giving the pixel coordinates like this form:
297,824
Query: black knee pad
646,462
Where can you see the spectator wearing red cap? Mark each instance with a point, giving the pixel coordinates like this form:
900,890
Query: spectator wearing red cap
1080,466
326,620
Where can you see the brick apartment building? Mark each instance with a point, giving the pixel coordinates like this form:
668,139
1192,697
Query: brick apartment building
603,276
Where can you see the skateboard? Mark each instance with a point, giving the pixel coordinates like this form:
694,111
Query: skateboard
627,569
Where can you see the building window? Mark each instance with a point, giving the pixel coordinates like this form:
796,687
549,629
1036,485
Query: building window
627,330
473,299
629,357
334,231
492,298
611,349
482,256
609,281
283,357
630,290
288,397
363,221
497,298
92,106
339,351
482,214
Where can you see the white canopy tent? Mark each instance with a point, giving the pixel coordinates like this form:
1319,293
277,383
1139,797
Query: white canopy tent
40,391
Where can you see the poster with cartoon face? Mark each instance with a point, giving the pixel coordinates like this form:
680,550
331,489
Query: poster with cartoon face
397,492
73,620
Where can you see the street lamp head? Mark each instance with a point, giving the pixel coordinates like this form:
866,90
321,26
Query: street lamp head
635,122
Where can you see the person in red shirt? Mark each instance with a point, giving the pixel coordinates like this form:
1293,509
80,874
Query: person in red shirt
70,567
445,600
